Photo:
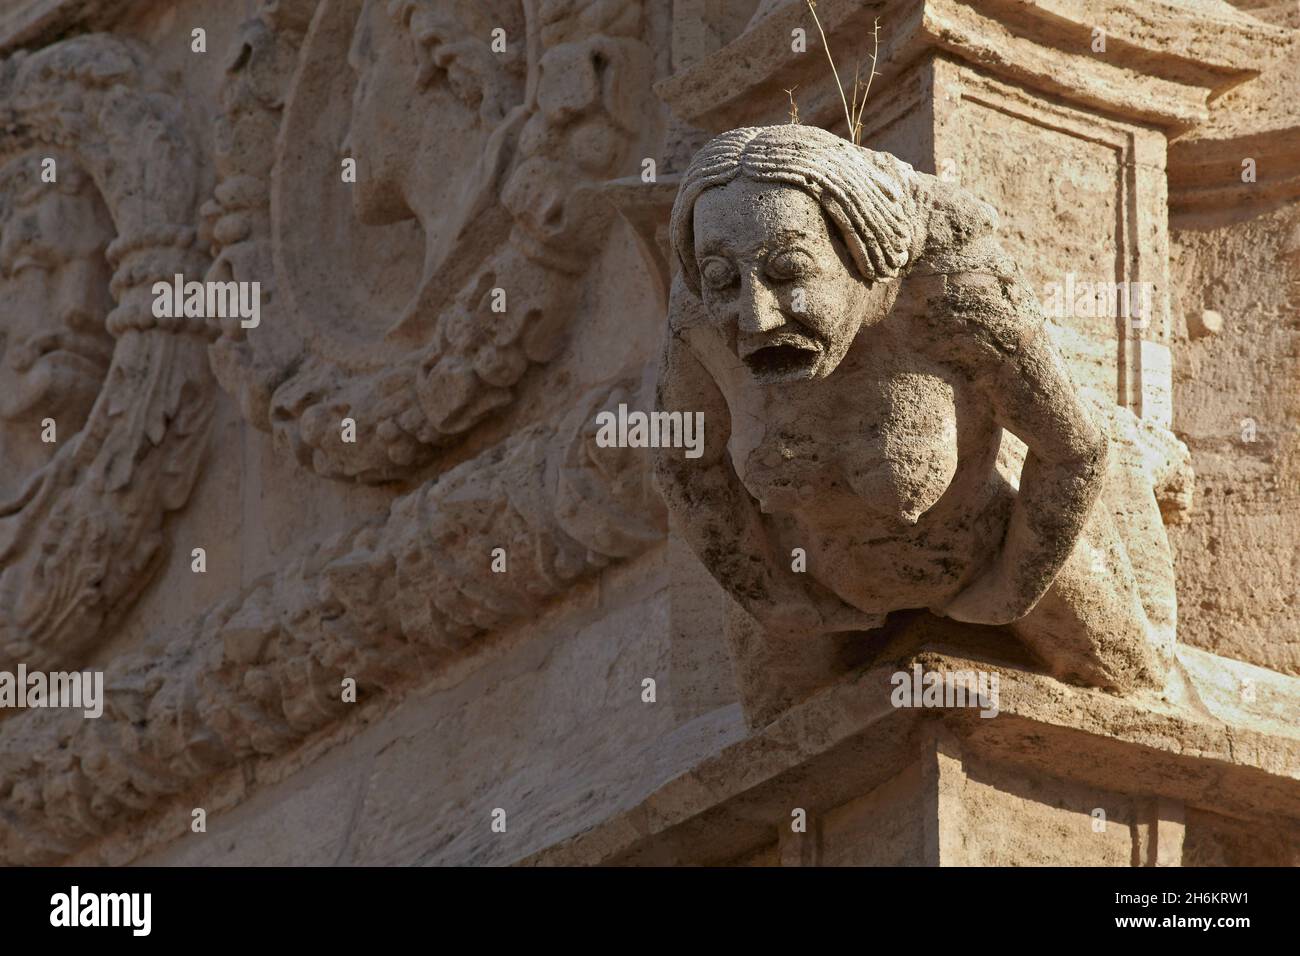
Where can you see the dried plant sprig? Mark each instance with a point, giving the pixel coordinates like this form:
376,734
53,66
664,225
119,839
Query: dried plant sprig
860,107
848,116
853,113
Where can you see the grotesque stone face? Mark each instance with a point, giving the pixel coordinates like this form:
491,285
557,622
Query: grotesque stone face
54,350
777,280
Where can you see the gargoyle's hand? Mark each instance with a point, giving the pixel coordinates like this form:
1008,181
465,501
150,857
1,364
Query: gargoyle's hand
792,617
839,616
989,600
819,613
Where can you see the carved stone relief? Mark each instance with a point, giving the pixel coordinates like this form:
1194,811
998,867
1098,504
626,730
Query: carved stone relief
129,396
476,200
899,446
385,604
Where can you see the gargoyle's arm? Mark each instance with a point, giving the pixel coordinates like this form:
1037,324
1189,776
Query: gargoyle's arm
710,508
1000,331
716,515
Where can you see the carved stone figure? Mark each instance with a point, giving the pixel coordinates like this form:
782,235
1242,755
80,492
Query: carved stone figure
909,467
858,342
130,395
54,349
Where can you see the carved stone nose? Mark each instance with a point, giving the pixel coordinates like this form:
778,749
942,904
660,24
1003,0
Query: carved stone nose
760,311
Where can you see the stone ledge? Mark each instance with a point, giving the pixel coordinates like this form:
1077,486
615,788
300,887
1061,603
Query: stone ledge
1198,743
1205,171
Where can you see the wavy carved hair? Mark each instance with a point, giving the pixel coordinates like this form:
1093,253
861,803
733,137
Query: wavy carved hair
866,194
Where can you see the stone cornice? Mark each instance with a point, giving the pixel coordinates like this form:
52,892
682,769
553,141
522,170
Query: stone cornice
1163,62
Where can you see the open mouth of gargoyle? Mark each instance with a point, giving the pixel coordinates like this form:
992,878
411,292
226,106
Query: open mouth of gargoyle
783,361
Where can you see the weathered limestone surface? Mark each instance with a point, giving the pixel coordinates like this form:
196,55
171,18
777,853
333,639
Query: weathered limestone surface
1236,253
565,210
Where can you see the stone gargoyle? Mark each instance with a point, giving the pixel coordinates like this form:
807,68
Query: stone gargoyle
858,342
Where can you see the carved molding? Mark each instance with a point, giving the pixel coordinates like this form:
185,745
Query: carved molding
80,538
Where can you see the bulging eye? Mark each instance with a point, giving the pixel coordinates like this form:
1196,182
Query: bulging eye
788,265
717,273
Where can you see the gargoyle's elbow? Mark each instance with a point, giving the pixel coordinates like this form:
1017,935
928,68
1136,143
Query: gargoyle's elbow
1095,457
669,473
666,466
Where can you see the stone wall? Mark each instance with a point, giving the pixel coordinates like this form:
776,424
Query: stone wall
435,619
